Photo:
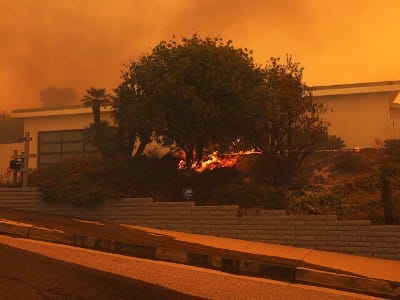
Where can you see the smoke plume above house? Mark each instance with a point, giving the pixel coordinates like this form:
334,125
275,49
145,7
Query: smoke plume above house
83,43
52,97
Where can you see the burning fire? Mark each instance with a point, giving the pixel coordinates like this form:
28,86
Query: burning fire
214,160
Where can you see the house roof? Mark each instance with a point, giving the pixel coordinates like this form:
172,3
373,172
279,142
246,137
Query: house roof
10,130
395,106
357,88
319,91
47,112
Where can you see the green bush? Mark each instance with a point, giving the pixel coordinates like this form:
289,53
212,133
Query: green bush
392,147
352,163
70,184
204,183
329,202
389,183
249,196
88,183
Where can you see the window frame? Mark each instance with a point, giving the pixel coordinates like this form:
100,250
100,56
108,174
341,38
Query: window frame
86,148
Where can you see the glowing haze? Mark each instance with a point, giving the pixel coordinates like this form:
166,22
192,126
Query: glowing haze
81,43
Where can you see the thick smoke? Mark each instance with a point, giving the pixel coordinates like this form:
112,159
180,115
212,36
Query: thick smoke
83,43
52,97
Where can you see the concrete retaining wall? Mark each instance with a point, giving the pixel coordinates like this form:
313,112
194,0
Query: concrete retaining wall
323,232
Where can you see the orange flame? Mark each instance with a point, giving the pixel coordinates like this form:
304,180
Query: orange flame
214,160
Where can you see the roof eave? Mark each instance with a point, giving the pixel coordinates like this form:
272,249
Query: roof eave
356,88
48,112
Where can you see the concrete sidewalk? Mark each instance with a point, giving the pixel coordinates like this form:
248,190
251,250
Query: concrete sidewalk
372,276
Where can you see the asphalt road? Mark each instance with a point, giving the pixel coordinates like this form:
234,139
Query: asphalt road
39,270
26,275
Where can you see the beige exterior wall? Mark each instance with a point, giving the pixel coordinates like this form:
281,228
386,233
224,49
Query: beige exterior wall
358,113
78,118
35,125
395,123
359,119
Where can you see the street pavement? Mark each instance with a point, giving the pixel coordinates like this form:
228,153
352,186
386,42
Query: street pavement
32,269
371,276
30,276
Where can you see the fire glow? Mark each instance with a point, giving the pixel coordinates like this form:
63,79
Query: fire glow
214,160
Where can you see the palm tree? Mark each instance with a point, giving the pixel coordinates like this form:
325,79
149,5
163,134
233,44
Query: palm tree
99,133
96,98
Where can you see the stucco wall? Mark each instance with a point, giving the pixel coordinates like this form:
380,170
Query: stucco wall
395,123
359,119
49,123
68,122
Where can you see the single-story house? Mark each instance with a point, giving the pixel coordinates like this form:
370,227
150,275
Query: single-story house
57,134
362,114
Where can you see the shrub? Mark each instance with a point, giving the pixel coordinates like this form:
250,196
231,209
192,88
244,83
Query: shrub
88,183
351,163
392,147
329,202
249,196
204,183
69,184
255,166
143,177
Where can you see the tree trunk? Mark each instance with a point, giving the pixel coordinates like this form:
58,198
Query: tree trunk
96,112
199,155
121,141
130,145
386,198
189,156
141,148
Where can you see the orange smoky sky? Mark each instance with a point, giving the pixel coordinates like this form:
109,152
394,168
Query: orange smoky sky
82,43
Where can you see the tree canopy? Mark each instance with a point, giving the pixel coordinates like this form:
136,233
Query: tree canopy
200,91
204,94
134,117
291,128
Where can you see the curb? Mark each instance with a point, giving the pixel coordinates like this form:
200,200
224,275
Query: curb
49,235
15,228
230,264
350,283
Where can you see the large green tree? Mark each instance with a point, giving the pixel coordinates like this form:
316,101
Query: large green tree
291,128
134,118
199,90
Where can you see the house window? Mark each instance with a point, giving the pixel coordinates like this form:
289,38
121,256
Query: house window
55,147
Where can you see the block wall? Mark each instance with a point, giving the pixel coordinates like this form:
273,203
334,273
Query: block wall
322,232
